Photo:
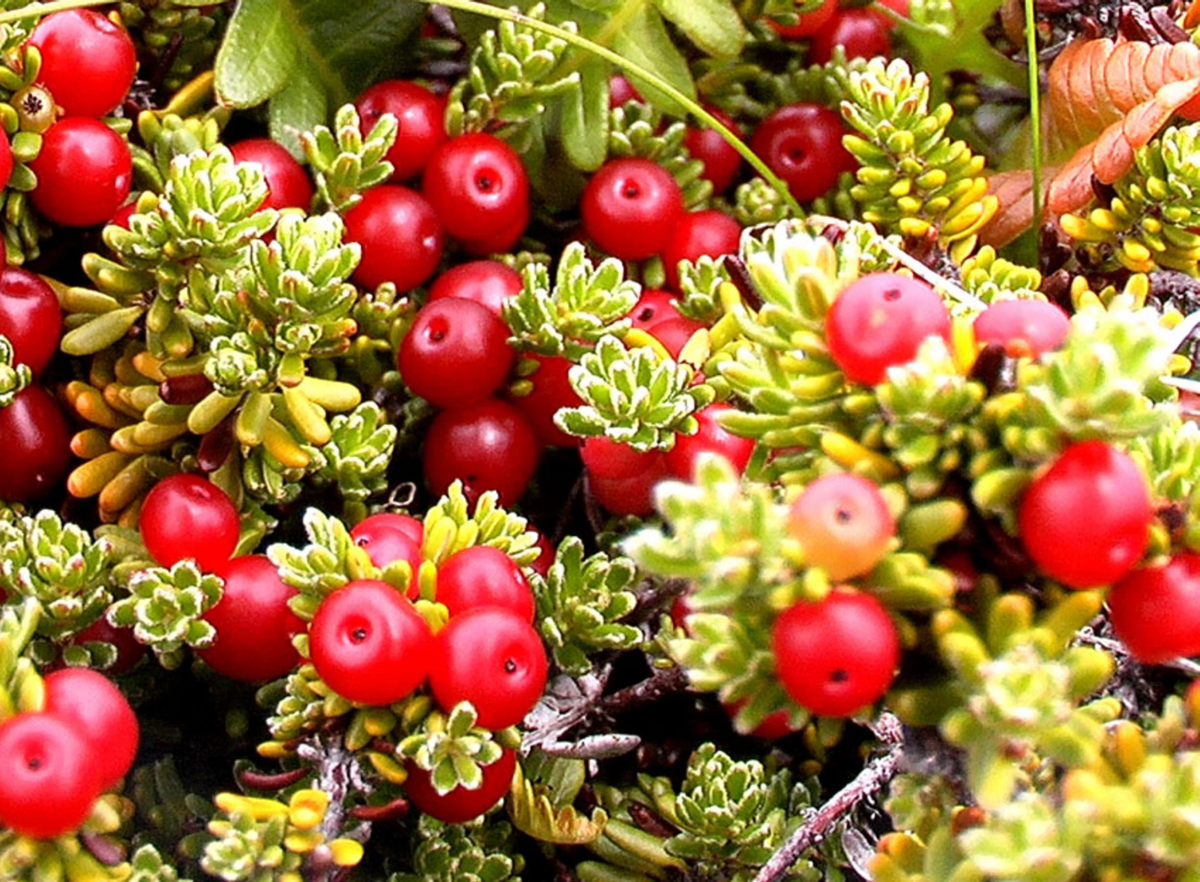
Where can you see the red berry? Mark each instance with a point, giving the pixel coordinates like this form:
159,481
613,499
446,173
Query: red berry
369,643
88,61
630,208
49,777
675,333
487,446
6,160
709,438
460,804
37,446
633,495
1155,611
1085,520
487,282
605,458
880,321
861,31
97,710
455,354
1022,327
493,658
808,23
288,184
480,190
420,123
705,233
836,656
389,537
400,234
186,516
482,575
621,91
654,307
721,160
551,392
843,523
254,623
30,317
802,144
84,172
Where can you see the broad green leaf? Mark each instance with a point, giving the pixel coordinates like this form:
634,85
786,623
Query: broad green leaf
300,106
713,25
585,117
328,47
257,55
644,40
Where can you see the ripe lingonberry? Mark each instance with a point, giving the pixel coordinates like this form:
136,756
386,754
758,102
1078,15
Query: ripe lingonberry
480,190
487,446
802,143
630,208
419,118
288,184
400,234
88,61
455,354
84,172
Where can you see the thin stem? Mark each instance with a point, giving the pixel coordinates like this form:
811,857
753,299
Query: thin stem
1035,116
874,776
37,10
637,70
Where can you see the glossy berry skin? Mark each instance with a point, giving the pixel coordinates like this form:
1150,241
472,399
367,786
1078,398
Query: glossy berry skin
1022,327
862,32
1155,611
808,23
482,575
630,208
704,233
288,184
487,282
551,392
710,438
391,537
802,144
480,190
48,775
37,445
369,643
674,333
6,160
879,321
30,318
460,804
254,623
621,91
99,712
400,234
88,61
420,123
843,523
185,516
1085,520
455,354
84,172
633,495
605,458
721,161
654,307
493,658
488,446
837,656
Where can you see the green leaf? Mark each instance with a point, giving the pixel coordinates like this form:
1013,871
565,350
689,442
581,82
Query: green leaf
310,52
713,25
300,106
644,40
585,117
257,55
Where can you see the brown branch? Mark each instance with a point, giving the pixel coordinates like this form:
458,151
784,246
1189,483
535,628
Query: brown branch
874,776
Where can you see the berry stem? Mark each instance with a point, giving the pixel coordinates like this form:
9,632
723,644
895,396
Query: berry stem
874,775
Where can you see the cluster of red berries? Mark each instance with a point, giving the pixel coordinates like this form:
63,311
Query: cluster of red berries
55,762
84,168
